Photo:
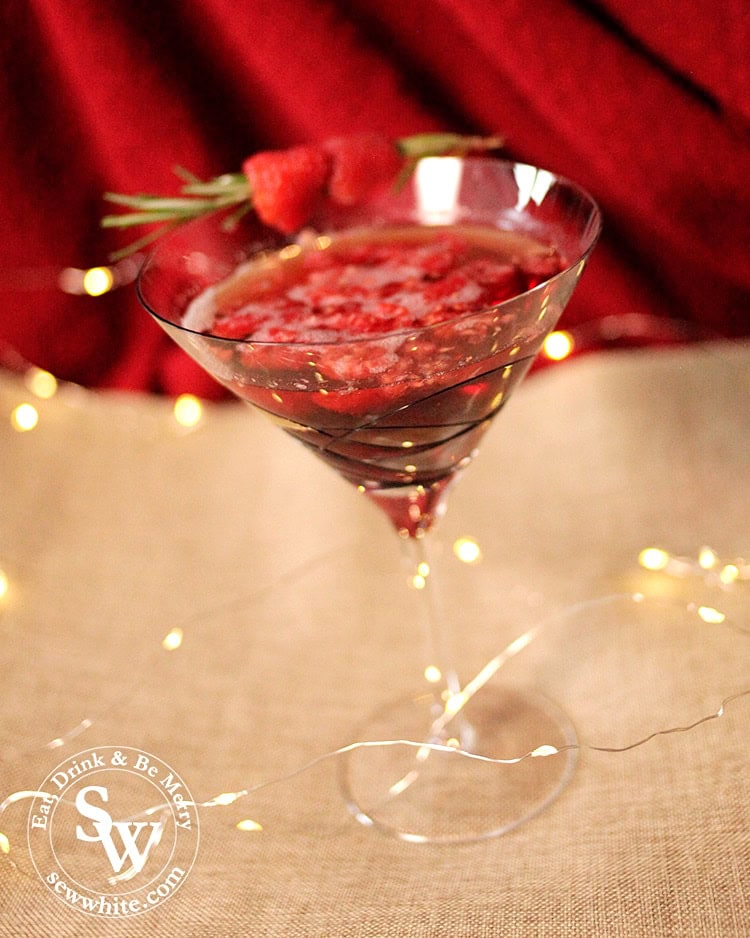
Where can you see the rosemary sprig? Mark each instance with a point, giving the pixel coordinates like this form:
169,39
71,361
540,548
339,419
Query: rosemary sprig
198,198
444,144
232,190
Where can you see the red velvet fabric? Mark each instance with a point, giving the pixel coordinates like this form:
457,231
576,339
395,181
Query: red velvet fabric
646,104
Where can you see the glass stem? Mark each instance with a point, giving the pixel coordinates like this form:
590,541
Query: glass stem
421,557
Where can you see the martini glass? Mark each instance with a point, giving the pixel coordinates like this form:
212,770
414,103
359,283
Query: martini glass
400,415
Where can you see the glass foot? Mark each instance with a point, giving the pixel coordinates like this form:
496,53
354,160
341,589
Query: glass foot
423,794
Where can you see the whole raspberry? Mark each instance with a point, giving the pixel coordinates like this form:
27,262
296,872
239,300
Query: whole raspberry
286,185
361,163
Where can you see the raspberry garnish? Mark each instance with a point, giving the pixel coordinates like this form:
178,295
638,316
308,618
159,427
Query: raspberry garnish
283,186
287,185
360,164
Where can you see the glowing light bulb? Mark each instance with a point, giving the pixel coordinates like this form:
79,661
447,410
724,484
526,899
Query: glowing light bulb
455,703
729,574
188,410
172,640
558,345
98,280
653,558
707,558
41,383
4,584
467,550
432,673
225,798
25,417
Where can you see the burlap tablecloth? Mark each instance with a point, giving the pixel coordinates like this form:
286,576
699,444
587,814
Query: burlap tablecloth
117,526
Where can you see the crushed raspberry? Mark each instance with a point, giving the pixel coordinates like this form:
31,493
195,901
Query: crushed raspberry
360,163
237,326
369,287
316,307
539,268
287,185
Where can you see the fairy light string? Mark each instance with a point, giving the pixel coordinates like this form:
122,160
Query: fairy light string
424,749
706,565
38,388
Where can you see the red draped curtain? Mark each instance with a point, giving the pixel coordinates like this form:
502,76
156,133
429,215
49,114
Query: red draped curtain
646,104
